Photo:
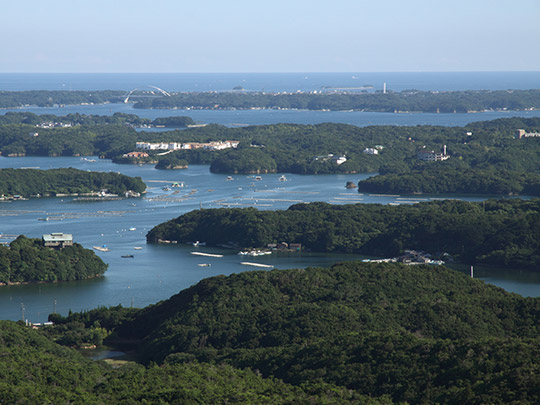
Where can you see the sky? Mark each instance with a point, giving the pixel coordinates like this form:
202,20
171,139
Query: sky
179,36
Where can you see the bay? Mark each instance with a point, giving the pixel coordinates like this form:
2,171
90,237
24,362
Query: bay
158,271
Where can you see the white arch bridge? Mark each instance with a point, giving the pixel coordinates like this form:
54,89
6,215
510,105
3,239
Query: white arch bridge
130,94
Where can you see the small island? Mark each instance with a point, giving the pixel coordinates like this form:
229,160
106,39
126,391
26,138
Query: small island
54,258
21,183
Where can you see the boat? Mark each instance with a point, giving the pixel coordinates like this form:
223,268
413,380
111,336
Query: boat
176,185
166,188
229,178
197,243
103,248
204,264
127,256
137,248
132,228
283,178
258,178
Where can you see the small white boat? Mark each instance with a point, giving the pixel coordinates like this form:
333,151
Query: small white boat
137,248
204,264
166,188
197,243
103,248
132,229
229,178
283,178
258,178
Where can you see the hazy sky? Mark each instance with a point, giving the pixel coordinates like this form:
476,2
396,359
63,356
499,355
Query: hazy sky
269,35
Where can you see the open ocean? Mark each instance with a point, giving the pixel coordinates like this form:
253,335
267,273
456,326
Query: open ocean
272,82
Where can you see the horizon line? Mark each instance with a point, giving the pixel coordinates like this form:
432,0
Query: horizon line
292,72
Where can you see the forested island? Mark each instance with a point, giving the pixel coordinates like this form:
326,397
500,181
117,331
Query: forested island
27,260
495,232
52,182
326,99
489,153
353,333
405,101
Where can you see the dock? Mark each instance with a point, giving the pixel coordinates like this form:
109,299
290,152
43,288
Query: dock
205,254
267,266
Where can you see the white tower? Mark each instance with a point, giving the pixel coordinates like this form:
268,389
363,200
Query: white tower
384,88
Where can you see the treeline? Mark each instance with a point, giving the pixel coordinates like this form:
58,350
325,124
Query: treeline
302,149
408,334
50,98
410,100
451,180
89,120
27,260
502,232
32,182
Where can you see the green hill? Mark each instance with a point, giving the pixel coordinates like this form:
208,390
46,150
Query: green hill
35,370
416,334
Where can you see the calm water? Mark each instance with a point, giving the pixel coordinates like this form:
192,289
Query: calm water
158,271
263,117
274,82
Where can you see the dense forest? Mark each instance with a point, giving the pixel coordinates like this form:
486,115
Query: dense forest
48,98
450,180
35,370
32,182
409,100
27,260
503,232
496,160
289,147
76,119
352,333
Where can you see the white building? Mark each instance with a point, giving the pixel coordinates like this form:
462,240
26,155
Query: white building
370,151
339,159
521,133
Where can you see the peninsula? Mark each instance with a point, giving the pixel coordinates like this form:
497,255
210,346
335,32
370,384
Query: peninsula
494,232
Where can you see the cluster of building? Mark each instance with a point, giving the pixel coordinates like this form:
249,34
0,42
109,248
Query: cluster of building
284,246
521,133
215,145
373,151
50,124
410,257
432,156
338,160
